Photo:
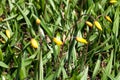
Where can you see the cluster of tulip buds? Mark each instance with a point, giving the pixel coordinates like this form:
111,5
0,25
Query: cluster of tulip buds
97,24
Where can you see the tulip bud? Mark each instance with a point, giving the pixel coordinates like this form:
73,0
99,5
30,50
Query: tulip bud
38,21
57,41
82,40
8,33
113,1
97,24
108,18
89,24
34,43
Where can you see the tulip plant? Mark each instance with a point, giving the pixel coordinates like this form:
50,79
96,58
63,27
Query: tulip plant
59,40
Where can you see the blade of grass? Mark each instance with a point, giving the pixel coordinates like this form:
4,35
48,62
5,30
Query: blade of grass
2,64
10,18
116,22
26,18
1,55
84,77
40,73
108,68
118,76
109,65
97,68
46,28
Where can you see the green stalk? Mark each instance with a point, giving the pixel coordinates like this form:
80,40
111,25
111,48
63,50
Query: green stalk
72,45
78,26
40,73
10,18
19,66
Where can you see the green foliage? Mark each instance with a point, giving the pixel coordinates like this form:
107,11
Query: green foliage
64,20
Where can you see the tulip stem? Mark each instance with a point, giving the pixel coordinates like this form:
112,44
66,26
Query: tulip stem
99,16
88,15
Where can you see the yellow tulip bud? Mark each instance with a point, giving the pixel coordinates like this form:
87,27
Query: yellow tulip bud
38,21
89,24
82,40
97,24
8,33
108,18
57,41
113,1
34,43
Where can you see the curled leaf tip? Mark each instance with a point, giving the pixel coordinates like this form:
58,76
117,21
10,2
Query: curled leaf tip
34,43
82,40
57,41
97,24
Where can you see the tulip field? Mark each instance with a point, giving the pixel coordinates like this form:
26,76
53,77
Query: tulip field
59,40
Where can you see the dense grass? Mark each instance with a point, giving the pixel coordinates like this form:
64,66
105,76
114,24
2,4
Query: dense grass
98,58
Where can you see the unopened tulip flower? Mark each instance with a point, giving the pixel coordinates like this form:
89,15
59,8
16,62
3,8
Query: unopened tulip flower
34,43
108,18
8,33
57,41
82,40
38,21
113,1
97,24
89,23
